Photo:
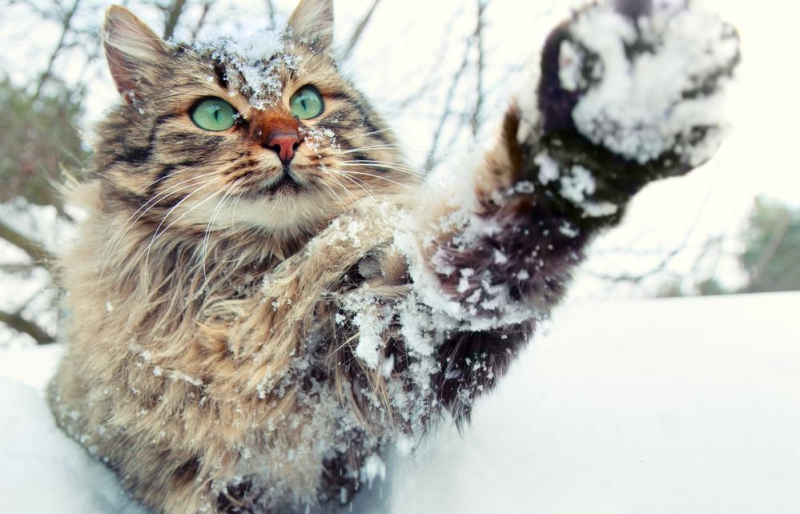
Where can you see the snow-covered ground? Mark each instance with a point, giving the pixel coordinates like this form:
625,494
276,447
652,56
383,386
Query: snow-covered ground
659,406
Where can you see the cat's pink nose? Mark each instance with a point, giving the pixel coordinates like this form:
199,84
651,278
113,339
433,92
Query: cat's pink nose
284,144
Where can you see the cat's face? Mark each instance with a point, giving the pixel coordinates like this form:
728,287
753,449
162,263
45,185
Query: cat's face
263,132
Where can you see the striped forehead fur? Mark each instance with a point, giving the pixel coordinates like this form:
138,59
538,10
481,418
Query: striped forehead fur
170,267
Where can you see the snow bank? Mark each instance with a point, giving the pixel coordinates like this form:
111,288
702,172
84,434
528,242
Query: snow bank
672,406
41,470
665,406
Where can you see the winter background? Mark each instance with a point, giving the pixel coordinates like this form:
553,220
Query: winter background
623,404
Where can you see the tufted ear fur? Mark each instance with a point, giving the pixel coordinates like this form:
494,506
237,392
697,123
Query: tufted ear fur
313,21
132,50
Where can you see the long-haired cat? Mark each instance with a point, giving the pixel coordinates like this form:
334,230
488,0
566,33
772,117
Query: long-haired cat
264,294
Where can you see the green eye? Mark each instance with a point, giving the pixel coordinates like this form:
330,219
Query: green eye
307,103
214,114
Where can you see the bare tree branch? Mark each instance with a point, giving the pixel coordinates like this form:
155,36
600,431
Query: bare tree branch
666,259
17,268
20,324
777,237
475,121
24,243
173,13
709,257
206,7
433,72
639,277
475,39
359,30
271,14
447,112
66,24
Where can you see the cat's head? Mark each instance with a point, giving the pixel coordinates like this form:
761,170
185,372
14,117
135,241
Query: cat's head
258,132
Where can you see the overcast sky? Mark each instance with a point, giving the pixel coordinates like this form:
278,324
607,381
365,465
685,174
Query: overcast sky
763,107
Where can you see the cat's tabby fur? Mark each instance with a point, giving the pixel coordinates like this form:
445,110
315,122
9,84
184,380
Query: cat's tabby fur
241,341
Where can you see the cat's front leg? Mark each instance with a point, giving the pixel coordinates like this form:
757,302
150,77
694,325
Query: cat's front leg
629,92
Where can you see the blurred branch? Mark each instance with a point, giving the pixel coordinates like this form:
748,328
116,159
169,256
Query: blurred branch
432,74
709,257
17,268
44,13
712,243
475,38
20,324
665,261
775,241
29,246
475,121
433,159
271,14
173,13
359,30
639,277
206,7
66,23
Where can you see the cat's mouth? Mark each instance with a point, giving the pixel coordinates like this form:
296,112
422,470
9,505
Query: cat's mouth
287,183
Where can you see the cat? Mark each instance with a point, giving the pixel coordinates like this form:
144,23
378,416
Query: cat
263,294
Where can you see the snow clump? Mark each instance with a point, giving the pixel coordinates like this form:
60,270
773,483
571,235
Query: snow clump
643,106
258,58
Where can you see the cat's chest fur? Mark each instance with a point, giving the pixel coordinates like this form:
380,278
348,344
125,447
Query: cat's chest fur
263,295
223,344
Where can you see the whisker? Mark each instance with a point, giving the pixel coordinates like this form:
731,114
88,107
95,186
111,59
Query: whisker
146,252
374,132
204,247
239,197
386,163
342,186
361,149
206,164
334,195
386,166
163,194
353,180
399,184
159,234
141,211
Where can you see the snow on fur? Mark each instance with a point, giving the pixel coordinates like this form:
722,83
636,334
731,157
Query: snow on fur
618,385
257,57
638,107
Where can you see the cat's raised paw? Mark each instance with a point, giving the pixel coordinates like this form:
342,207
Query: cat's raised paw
641,78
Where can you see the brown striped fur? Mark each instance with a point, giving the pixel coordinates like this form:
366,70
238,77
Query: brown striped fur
219,318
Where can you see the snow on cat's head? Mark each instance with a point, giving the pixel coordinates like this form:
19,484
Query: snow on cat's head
227,132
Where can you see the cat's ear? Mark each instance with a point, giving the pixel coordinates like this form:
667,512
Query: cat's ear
132,50
313,20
